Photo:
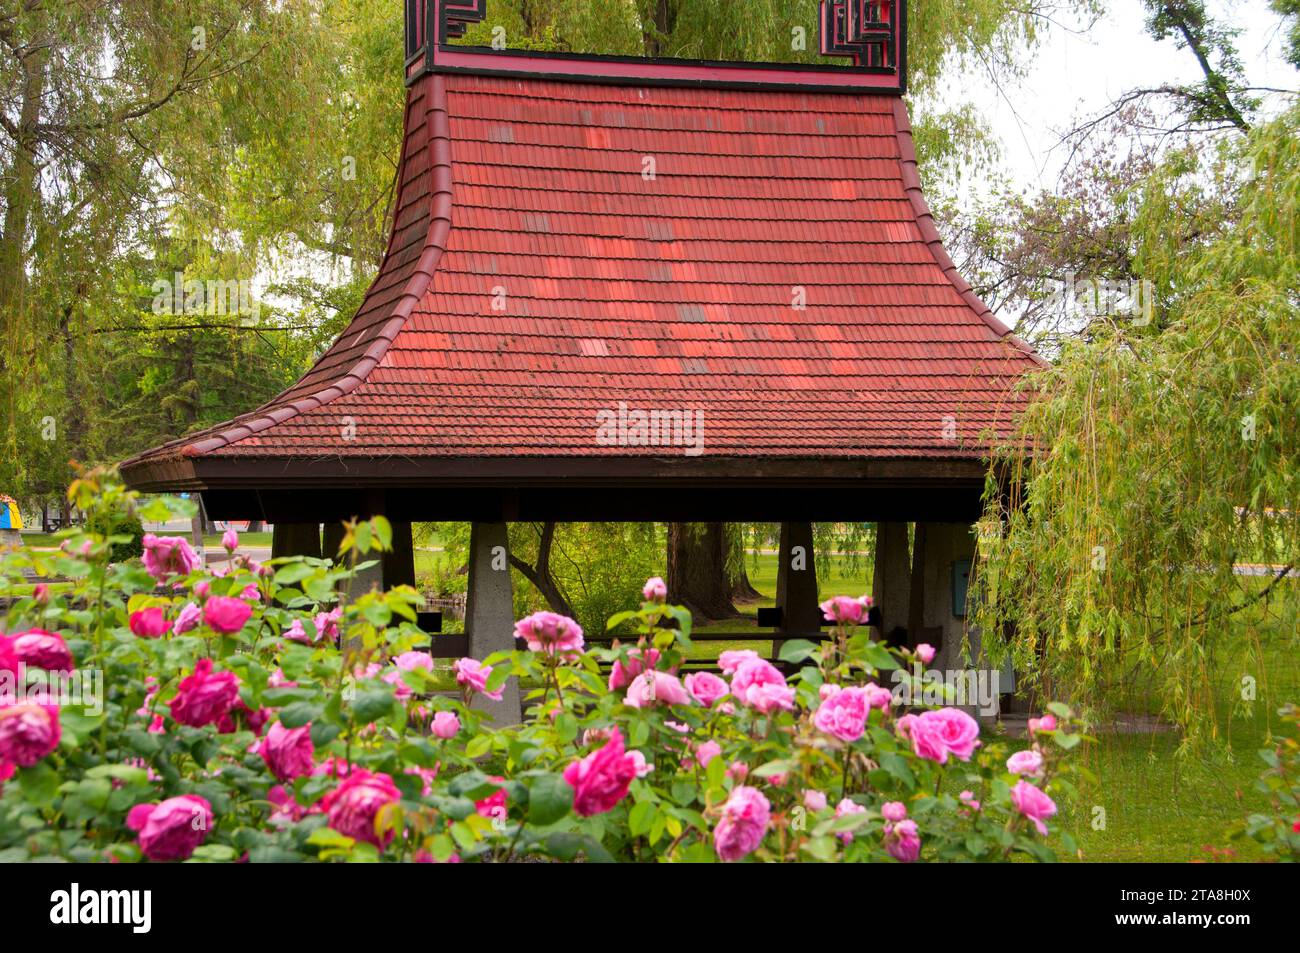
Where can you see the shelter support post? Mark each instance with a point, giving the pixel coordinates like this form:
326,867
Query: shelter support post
947,551
489,613
295,539
796,584
891,583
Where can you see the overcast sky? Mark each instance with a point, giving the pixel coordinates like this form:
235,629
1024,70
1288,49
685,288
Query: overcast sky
1076,75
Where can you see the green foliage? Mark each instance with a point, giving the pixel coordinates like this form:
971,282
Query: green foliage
115,524
1164,455
1279,832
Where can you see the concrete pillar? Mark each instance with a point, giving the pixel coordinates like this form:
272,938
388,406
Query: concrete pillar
295,539
891,581
796,584
490,613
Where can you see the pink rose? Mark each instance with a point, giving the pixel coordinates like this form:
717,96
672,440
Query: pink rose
814,800
968,800
760,685
655,590
284,809
846,807
878,696
406,662
656,687
289,752
706,752
188,618
1046,723
601,779
204,697
745,817
173,829
893,811
731,660
9,660
1033,804
643,767
925,652
621,675
37,648
737,770
327,624
356,807
843,714
550,632
166,556
28,732
705,687
230,540
426,775
474,675
903,842
937,734
1028,762
845,610
494,805
446,725
41,593
148,623
226,614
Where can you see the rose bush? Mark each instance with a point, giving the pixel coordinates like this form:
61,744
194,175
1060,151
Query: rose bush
1278,832
271,713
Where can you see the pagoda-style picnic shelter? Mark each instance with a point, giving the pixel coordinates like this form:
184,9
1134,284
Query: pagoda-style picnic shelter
630,289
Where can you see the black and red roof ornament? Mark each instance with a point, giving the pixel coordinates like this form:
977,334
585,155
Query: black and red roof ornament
871,34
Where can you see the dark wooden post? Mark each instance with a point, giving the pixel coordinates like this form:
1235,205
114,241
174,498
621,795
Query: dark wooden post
891,581
333,537
796,584
295,539
399,564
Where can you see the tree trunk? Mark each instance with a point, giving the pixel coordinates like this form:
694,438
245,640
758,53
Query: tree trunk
741,589
540,574
20,199
697,569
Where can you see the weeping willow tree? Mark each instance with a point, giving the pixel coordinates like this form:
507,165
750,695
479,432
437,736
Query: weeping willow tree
1165,455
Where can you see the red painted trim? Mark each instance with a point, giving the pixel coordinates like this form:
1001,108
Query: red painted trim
925,222
439,146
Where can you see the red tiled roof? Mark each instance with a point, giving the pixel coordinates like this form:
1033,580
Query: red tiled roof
666,293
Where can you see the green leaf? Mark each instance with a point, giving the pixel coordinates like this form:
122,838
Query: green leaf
638,819
567,846
796,650
549,799
373,705
293,573
39,784
300,713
